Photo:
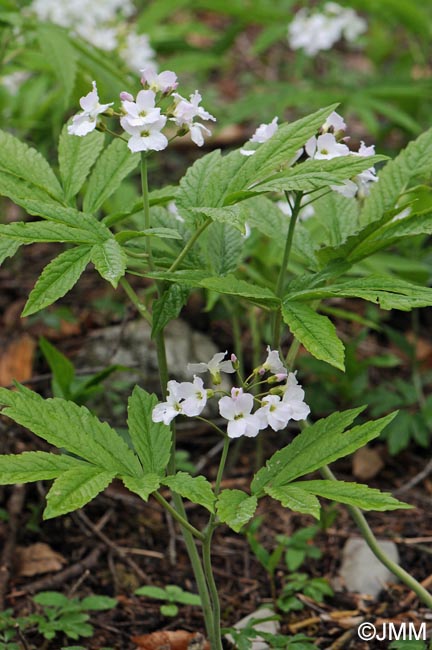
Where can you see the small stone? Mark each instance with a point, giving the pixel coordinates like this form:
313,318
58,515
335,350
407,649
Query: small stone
271,627
361,571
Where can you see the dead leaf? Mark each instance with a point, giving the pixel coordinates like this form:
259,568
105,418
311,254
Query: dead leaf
38,558
171,640
16,361
367,463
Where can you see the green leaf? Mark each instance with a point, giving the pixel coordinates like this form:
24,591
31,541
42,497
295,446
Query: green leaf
152,592
224,246
26,164
195,488
115,163
353,494
34,466
331,426
74,488
47,231
312,175
76,157
319,445
279,149
386,291
69,217
230,285
316,332
414,161
169,610
235,508
8,248
234,215
109,259
151,440
178,595
193,187
143,486
57,278
61,368
56,48
168,307
98,603
296,499
75,428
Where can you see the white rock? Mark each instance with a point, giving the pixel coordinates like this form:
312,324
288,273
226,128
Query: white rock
272,627
361,571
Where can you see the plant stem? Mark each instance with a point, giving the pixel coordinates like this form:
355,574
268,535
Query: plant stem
146,205
189,245
370,539
177,516
142,309
280,284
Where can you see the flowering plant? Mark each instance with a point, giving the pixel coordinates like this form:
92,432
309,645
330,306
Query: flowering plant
217,197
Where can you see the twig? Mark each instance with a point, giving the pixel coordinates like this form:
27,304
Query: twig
427,582
415,479
118,550
78,583
60,578
14,507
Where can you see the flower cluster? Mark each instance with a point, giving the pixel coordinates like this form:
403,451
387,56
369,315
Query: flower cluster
101,23
313,32
246,414
142,117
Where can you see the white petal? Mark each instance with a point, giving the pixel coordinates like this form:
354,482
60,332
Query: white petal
227,408
236,428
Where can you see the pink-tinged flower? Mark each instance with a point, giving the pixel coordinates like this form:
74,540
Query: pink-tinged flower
293,396
263,133
237,410
184,113
164,82
185,398
146,137
85,122
215,366
275,412
141,112
325,147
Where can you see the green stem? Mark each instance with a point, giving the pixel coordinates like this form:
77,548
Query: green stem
189,245
142,309
178,517
370,539
280,284
146,205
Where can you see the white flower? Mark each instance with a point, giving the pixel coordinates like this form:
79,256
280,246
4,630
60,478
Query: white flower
334,122
215,366
184,113
263,133
174,211
164,82
137,51
274,364
294,397
147,137
185,398
275,412
141,112
86,121
305,213
325,147
237,410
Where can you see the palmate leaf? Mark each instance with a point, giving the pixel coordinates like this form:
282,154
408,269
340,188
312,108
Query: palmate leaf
414,161
316,446
316,332
151,440
115,163
195,488
34,466
387,292
57,278
235,508
109,259
76,487
28,165
76,157
66,425
353,494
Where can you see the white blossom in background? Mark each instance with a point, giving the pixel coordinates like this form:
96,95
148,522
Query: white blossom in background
274,364
174,211
136,51
164,82
13,81
335,123
185,398
263,133
184,113
313,32
325,147
237,410
215,366
293,395
305,213
86,121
